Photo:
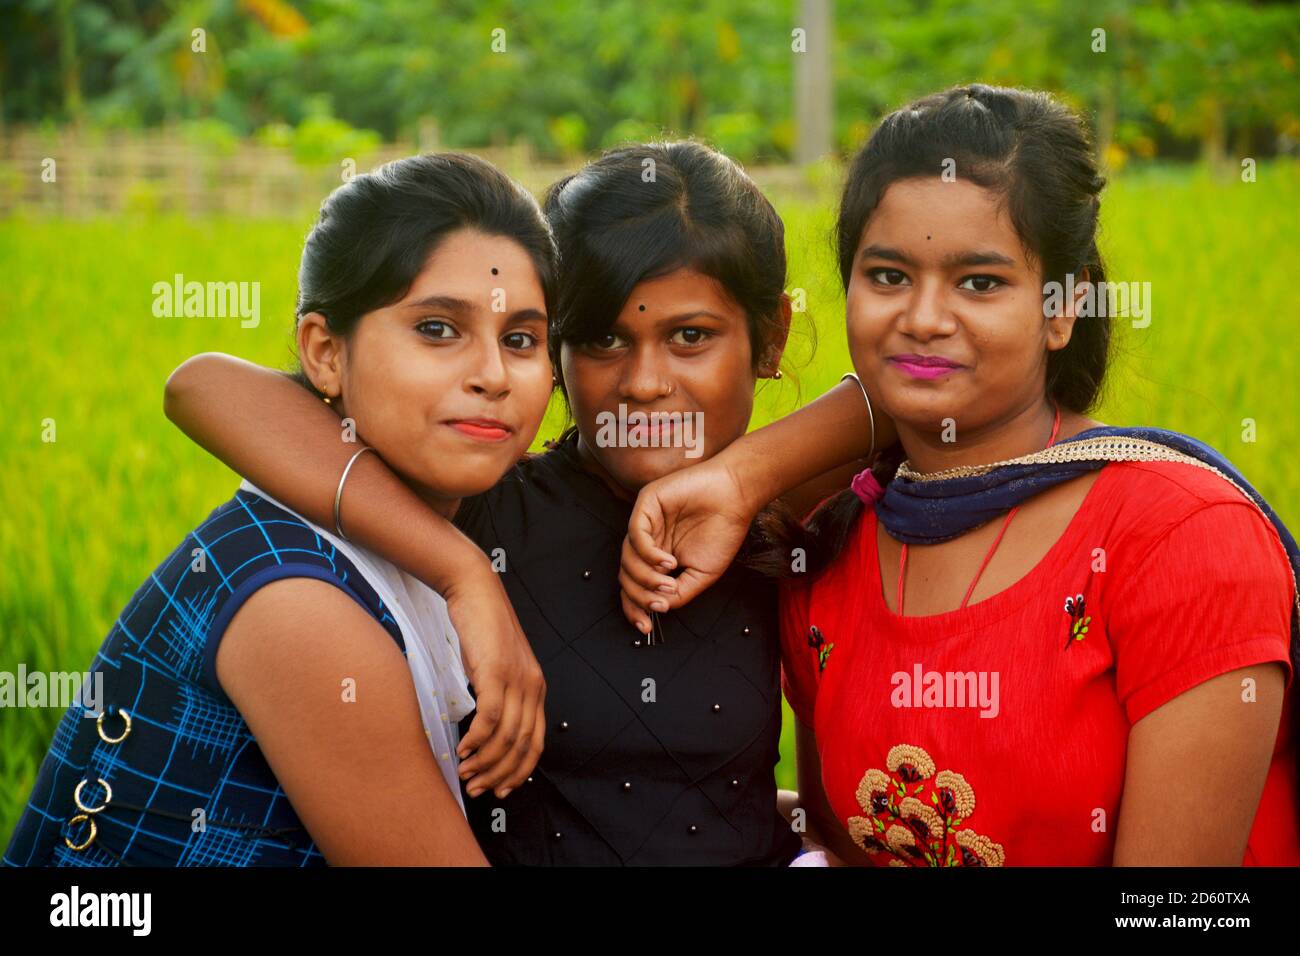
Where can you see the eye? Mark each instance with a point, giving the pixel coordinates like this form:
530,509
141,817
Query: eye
890,277
520,341
980,283
690,335
437,329
606,343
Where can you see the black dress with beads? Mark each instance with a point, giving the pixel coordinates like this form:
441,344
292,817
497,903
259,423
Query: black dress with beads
656,753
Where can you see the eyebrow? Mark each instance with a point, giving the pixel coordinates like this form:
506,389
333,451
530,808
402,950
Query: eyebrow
980,258
452,304
447,302
687,316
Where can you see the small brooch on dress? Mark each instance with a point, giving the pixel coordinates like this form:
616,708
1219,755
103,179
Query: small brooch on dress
818,643
1074,606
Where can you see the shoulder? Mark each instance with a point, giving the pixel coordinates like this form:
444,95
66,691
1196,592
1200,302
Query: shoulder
1171,489
1185,530
1181,507
246,545
841,578
301,626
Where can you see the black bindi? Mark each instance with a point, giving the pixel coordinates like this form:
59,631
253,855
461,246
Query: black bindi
494,270
641,308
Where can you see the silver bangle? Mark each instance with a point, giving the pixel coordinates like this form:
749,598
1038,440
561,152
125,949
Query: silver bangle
870,413
338,495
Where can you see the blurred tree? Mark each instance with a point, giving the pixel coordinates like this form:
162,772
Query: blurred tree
569,76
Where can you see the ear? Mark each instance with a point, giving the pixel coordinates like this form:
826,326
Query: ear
1060,327
320,352
774,346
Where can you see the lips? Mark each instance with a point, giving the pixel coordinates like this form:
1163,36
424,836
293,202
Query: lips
935,361
642,430
482,429
923,366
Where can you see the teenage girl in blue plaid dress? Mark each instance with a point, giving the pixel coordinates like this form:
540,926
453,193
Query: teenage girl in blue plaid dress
258,705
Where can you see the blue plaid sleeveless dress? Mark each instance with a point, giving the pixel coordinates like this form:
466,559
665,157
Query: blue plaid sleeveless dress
169,774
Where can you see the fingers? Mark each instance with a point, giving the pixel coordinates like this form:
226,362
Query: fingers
516,762
529,751
487,766
690,584
643,599
643,573
644,589
489,706
514,768
643,532
637,616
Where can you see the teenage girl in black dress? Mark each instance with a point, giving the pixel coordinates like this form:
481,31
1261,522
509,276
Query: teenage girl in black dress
660,742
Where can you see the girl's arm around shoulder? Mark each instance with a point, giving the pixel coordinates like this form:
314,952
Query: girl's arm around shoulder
270,429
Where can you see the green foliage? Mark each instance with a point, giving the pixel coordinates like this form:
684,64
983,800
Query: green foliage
88,516
569,75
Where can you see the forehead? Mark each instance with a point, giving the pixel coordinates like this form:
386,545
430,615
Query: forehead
678,293
933,216
462,267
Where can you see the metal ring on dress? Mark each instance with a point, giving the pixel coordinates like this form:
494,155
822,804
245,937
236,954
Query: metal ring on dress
99,725
94,830
76,796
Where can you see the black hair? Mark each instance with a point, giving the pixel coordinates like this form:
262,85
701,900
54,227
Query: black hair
1034,152
376,232
643,211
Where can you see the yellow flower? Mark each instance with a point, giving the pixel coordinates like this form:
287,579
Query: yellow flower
863,831
899,838
912,808
873,781
907,755
989,853
962,794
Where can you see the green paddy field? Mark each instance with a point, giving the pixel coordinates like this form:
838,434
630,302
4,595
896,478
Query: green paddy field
84,518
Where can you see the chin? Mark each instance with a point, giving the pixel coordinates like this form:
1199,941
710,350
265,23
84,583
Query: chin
924,408
458,474
635,469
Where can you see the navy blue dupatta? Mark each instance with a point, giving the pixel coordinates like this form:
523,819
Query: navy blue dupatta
924,509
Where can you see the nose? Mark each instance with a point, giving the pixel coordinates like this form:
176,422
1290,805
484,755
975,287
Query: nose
645,376
925,314
488,376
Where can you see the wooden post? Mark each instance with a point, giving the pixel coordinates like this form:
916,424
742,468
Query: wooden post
814,91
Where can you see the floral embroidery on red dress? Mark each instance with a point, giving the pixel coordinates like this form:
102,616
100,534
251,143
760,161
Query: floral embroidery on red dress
1074,606
911,832
818,644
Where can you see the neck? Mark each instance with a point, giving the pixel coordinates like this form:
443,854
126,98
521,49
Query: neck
592,464
1017,433
440,503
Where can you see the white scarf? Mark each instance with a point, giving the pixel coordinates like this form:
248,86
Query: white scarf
432,645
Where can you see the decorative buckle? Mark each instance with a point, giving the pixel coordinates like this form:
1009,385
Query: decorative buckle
94,831
126,730
108,796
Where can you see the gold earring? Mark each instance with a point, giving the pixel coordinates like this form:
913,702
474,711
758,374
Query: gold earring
327,400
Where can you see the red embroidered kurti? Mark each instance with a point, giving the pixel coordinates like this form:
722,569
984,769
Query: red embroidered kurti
997,735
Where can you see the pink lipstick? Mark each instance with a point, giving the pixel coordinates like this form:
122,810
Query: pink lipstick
924,366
